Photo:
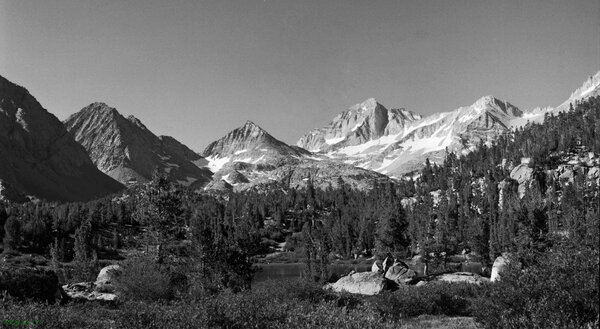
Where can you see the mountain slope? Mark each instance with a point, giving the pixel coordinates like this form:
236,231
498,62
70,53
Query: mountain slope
126,150
39,157
590,88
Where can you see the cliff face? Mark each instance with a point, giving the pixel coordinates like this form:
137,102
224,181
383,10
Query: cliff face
39,157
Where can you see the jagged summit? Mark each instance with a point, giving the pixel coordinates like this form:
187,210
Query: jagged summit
368,105
251,124
39,157
251,129
125,149
358,124
494,105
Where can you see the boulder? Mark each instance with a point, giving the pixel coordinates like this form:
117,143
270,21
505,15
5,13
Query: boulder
105,282
400,273
377,267
498,267
363,283
593,173
387,263
465,277
523,174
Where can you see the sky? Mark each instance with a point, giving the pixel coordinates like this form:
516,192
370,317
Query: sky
197,69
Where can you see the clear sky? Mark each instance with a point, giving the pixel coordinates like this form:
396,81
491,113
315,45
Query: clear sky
196,69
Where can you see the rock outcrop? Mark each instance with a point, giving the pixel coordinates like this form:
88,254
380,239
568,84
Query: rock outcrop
39,157
363,283
523,174
87,291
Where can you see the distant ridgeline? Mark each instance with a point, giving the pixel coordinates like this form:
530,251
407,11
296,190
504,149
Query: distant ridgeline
539,180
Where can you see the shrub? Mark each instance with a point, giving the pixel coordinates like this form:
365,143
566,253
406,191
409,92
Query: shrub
452,299
559,290
143,279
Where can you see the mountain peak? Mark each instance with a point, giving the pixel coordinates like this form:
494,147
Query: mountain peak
359,124
248,142
367,105
487,99
251,125
486,102
100,107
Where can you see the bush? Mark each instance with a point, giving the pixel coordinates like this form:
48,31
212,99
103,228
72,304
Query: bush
143,279
559,290
452,299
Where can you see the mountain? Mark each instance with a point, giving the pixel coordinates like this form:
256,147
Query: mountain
249,144
395,142
39,157
359,124
125,149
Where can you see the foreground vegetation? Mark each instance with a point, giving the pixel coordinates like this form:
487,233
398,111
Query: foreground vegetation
548,294
297,304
